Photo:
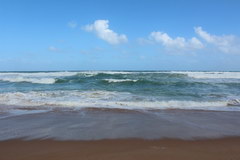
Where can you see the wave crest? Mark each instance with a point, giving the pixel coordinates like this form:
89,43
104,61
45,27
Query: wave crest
38,77
211,75
119,80
30,80
111,77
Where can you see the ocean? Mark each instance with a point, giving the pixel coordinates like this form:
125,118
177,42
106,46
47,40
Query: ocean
117,104
120,89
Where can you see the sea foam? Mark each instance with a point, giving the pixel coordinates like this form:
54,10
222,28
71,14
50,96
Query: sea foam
120,80
103,99
211,75
39,77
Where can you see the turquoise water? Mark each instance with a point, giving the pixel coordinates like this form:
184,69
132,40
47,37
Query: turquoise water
120,89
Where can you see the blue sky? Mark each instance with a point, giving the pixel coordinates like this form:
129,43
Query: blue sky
119,35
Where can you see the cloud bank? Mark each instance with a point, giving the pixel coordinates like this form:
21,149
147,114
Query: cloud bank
101,29
225,43
176,43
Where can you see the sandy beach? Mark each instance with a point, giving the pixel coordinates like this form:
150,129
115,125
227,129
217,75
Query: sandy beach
120,135
119,149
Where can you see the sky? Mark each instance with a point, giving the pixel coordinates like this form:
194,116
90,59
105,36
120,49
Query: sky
44,35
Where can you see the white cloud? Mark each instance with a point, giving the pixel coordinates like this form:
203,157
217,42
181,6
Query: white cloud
72,24
101,29
178,43
224,43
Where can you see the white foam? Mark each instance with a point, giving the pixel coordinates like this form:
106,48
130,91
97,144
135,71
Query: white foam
234,102
38,74
211,75
31,80
120,80
39,77
102,99
193,74
50,77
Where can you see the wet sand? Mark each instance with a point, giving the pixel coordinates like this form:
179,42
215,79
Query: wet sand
107,135
98,124
121,149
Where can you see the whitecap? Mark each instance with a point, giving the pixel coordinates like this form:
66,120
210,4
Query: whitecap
120,80
38,77
210,75
31,80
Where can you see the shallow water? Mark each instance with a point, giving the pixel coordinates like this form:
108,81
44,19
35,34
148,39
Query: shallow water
110,124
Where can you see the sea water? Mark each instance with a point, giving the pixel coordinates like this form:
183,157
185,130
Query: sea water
119,104
132,90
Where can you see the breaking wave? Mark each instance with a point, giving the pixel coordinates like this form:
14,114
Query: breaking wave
109,76
38,77
103,99
30,80
211,75
119,80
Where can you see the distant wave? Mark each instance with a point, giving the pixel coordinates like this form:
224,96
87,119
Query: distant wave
30,80
111,76
103,99
51,77
120,80
37,74
35,77
211,75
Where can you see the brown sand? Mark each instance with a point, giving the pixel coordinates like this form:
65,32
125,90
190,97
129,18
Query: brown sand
125,149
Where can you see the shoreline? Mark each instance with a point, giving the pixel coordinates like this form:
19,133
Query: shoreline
97,124
118,149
